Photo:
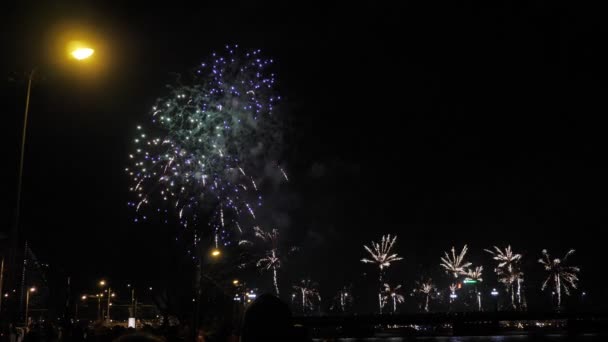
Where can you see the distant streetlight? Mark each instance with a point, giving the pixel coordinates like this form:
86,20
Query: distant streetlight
103,283
27,304
235,282
216,252
83,298
494,292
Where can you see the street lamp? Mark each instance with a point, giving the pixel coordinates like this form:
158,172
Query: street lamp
216,253
82,53
79,52
132,317
99,296
83,298
27,304
494,294
103,283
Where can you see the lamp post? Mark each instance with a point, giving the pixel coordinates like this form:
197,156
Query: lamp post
103,283
79,53
494,294
27,304
133,304
215,253
99,296
1,283
83,298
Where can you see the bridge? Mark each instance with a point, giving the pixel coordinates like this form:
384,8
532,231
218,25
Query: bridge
461,323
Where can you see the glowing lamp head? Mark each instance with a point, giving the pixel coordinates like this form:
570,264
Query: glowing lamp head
82,53
83,297
235,282
215,253
102,283
32,289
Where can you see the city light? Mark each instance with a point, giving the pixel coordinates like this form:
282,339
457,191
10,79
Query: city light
102,283
215,253
494,292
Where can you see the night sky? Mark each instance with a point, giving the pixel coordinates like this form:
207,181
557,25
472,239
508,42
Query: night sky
478,124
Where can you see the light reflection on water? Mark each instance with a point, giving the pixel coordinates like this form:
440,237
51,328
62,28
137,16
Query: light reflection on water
508,338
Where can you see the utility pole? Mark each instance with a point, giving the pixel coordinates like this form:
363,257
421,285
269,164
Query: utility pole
1,283
109,304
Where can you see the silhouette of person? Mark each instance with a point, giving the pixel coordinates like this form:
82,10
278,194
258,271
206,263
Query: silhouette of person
268,319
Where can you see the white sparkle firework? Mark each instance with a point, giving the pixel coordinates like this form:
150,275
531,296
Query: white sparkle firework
392,294
509,272
426,288
455,264
382,256
476,276
273,257
563,276
307,293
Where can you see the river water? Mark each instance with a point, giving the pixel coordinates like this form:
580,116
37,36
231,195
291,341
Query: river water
507,338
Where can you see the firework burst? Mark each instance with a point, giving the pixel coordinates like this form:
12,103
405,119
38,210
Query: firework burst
272,258
343,299
426,288
455,264
393,294
307,292
509,272
201,163
476,276
563,276
382,256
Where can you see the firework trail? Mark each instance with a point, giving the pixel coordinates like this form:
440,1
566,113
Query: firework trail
394,294
509,272
475,275
455,264
308,293
563,276
381,256
453,287
425,287
273,256
343,299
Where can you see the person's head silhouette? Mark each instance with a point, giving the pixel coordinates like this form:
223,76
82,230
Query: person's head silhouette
267,319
